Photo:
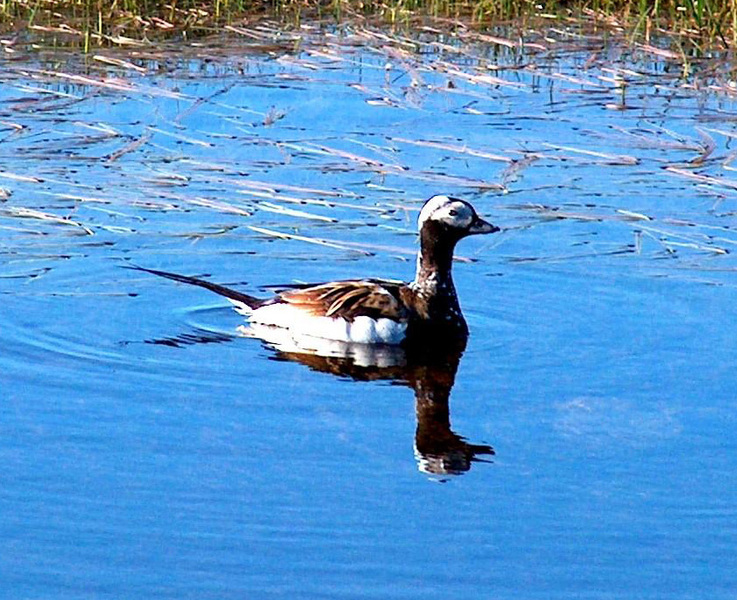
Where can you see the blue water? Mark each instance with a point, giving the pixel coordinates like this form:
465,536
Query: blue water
149,450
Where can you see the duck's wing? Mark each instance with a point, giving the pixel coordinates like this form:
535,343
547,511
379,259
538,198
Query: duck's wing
375,298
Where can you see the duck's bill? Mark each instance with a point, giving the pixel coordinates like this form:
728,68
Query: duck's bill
481,226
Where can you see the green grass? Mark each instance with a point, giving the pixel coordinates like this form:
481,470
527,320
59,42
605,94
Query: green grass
103,21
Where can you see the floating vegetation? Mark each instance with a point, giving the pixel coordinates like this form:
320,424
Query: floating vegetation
308,142
29,213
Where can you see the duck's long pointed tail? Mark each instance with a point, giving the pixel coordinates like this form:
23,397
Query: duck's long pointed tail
243,301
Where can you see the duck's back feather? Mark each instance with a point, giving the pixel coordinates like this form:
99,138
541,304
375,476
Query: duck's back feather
374,298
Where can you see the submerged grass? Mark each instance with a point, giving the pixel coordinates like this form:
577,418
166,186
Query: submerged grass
98,22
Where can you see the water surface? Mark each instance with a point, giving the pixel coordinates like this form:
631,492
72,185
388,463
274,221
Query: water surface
149,449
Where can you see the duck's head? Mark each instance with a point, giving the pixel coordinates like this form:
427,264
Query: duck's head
451,219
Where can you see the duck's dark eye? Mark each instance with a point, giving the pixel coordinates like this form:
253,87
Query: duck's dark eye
453,212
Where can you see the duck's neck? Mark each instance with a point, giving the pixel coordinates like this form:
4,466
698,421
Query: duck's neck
433,269
433,281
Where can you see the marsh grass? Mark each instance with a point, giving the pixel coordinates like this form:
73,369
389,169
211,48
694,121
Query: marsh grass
121,22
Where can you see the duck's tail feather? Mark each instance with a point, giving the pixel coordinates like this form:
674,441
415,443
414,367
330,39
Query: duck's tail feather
243,302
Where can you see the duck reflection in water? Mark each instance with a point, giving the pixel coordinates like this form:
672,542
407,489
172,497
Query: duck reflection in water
430,372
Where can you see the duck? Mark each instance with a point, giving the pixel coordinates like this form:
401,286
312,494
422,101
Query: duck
372,311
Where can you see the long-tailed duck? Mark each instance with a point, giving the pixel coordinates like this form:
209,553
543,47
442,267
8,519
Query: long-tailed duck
374,311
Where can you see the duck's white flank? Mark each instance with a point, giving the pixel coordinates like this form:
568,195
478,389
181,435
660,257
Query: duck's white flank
361,330
362,355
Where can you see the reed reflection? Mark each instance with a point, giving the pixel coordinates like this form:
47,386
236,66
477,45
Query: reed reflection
430,372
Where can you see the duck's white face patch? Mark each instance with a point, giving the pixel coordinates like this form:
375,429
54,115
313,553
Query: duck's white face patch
454,213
